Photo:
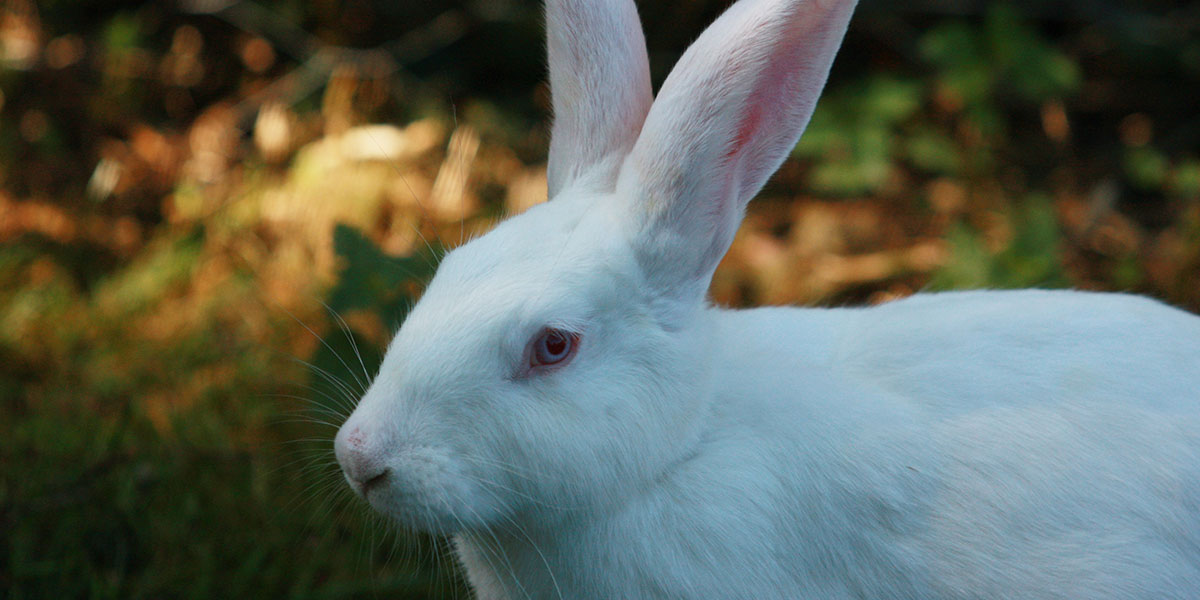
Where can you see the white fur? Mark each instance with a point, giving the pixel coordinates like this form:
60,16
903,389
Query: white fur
601,80
959,445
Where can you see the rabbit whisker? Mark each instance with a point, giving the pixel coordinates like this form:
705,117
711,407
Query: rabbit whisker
346,331
313,406
325,344
521,530
351,397
498,549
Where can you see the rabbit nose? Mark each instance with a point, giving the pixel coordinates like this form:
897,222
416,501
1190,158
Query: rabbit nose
363,466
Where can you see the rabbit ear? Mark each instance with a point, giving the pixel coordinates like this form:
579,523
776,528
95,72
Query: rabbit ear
724,120
600,88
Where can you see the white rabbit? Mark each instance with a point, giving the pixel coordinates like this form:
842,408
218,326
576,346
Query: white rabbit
566,404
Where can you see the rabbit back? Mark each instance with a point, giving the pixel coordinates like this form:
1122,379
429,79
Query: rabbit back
1024,444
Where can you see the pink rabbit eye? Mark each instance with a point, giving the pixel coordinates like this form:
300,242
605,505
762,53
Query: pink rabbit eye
552,347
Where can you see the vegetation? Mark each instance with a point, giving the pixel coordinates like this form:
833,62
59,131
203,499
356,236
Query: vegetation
214,213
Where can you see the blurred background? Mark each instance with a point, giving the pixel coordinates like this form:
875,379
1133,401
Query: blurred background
213,213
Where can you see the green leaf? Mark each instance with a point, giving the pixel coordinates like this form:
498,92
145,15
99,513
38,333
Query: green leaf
969,265
852,137
1185,179
122,34
951,45
934,151
887,99
371,279
1031,258
1146,167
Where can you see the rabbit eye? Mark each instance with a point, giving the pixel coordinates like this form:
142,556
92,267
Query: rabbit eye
553,347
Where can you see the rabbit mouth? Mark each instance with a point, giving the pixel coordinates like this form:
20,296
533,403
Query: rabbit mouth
423,490
417,514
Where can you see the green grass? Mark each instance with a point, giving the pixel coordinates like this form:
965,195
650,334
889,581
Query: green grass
161,440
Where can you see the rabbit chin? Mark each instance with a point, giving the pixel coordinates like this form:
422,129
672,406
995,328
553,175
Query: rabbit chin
425,492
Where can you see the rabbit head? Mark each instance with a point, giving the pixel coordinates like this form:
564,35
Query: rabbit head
562,359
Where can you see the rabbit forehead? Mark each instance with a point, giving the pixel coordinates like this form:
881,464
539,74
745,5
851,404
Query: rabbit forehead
575,225
558,245
555,265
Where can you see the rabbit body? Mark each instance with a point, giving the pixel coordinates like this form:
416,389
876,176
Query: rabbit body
565,403
957,445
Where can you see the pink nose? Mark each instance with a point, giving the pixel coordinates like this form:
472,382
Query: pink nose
361,461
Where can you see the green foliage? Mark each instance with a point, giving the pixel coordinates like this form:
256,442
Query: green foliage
1185,180
1029,259
865,130
852,137
122,34
142,282
372,280
1146,167
934,151
1004,53
151,464
1150,169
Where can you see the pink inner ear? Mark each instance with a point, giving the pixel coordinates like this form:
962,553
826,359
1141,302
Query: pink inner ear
748,126
766,124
